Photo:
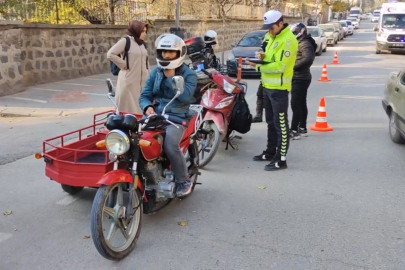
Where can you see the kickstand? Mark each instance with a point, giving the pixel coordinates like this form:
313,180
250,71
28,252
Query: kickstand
229,141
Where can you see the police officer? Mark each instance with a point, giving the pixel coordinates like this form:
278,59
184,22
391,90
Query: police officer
259,102
276,77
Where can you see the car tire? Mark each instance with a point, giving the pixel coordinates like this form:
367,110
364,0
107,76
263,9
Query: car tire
324,50
395,134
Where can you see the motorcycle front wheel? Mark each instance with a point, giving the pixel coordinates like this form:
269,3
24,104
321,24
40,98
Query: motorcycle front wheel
110,205
208,143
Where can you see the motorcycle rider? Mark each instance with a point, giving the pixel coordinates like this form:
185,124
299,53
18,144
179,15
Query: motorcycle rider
170,53
301,80
259,102
276,77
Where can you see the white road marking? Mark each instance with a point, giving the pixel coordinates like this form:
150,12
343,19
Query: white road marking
30,99
45,89
91,79
94,94
69,199
77,84
4,236
356,97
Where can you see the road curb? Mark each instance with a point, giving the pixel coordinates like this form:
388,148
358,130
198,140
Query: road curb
45,112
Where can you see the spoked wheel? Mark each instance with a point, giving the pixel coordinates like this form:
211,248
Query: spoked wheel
113,235
209,143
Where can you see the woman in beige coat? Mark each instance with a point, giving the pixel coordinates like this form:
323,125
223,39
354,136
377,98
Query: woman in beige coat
131,79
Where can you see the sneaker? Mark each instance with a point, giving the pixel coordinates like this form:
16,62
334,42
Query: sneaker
303,132
264,156
184,189
275,166
294,135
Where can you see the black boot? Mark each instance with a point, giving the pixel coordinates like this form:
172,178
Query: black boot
258,118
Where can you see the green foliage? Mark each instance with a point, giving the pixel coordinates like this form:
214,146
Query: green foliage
339,6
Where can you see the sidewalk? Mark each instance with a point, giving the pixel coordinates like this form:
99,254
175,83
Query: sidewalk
62,98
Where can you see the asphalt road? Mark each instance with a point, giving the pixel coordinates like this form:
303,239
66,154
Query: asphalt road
339,205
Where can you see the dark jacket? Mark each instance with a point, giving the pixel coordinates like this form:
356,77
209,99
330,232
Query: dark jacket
158,88
305,58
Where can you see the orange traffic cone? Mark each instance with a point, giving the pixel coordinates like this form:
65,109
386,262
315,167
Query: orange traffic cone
324,76
335,59
321,124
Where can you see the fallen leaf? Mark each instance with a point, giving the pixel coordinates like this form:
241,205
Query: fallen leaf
7,212
261,187
183,223
86,237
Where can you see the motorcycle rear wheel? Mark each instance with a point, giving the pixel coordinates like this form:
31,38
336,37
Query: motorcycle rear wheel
129,229
209,147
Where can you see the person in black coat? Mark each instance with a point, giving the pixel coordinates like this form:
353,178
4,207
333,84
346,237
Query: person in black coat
301,80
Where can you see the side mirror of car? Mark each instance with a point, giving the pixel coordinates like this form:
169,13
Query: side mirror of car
233,44
375,28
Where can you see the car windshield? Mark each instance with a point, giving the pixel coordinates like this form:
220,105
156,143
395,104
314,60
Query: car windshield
349,23
376,14
393,21
252,40
313,31
327,28
352,19
354,11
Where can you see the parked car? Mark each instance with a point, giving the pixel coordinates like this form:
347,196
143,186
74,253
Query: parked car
394,105
354,21
350,27
247,46
331,33
341,30
345,28
319,37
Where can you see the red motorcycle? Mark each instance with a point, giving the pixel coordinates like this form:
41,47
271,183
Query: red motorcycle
218,99
142,181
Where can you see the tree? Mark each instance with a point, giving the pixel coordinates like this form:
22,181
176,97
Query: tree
340,6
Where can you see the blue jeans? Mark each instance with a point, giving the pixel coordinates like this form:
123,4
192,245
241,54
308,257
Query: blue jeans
172,149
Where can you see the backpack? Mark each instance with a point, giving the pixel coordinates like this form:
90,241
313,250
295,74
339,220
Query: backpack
114,68
241,118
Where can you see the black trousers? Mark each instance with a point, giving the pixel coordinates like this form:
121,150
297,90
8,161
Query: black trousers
299,90
276,107
259,101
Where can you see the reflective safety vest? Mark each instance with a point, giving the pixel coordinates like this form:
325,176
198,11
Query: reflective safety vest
281,52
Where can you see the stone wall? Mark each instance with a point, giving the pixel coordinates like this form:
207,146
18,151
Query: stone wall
34,54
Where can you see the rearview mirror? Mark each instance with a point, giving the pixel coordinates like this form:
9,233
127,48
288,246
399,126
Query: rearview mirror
233,44
178,84
111,90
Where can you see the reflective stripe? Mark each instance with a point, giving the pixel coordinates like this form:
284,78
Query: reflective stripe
322,109
321,119
272,71
276,80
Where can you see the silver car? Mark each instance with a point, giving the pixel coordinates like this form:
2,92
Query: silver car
331,32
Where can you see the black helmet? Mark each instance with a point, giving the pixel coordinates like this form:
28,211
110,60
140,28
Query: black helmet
299,30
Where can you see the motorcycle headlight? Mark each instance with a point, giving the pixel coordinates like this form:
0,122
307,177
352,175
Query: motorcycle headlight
224,104
228,87
117,142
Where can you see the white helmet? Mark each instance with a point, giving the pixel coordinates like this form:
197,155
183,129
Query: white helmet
210,36
170,42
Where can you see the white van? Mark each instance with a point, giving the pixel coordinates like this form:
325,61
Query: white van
375,16
390,29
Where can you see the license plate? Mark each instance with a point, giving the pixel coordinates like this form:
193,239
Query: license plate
398,44
247,67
